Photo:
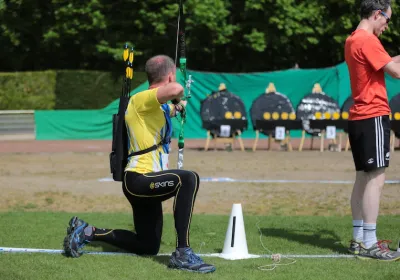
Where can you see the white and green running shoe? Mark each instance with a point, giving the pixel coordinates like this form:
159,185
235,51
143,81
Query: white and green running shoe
379,251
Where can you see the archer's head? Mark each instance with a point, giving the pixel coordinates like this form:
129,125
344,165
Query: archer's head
160,70
375,15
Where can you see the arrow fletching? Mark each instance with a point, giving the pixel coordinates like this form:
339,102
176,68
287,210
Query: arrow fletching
131,55
126,52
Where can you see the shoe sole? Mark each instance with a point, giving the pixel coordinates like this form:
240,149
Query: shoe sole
69,252
367,258
172,265
191,270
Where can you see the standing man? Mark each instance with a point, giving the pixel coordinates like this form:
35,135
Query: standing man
369,125
147,181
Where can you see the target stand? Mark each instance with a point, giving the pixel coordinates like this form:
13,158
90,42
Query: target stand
225,132
281,128
328,128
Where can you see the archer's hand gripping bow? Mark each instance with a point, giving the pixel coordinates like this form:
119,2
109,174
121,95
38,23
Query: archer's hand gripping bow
187,82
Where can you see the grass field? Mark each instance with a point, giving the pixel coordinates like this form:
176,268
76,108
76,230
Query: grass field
285,235
40,192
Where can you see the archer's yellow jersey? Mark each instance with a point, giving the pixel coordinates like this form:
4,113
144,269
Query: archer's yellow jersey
147,124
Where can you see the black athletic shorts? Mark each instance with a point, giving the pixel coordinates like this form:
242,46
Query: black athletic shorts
370,142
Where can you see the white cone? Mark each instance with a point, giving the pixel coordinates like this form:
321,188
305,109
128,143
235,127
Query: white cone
235,246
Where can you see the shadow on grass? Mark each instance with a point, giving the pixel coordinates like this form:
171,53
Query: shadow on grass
103,247
164,260
326,239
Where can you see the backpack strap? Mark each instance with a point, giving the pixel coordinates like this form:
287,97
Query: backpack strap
165,140
145,151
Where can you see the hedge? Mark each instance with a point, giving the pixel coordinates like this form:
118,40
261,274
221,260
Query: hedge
27,90
61,89
89,89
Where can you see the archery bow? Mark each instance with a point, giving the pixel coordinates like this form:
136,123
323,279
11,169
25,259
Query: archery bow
182,66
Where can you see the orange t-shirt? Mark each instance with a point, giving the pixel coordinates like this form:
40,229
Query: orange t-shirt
365,58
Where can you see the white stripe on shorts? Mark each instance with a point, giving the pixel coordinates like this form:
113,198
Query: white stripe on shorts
379,142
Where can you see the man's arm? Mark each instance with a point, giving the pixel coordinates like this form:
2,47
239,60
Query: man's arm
396,58
149,100
169,92
393,69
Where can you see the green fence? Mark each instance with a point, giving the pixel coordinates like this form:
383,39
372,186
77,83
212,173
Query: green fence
294,83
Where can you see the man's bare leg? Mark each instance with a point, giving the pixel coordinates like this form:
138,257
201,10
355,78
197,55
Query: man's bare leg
356,205
370,204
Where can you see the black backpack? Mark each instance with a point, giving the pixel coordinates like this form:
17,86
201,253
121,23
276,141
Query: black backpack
119,149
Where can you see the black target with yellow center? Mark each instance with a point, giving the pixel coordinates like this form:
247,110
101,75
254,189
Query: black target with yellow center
316,106
394,105
223,108
271,106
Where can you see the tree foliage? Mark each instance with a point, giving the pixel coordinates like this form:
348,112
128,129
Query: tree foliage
222,35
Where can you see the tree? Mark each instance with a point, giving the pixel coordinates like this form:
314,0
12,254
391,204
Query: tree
221,35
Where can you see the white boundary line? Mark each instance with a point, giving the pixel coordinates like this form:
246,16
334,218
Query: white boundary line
227,179
230,180
55,251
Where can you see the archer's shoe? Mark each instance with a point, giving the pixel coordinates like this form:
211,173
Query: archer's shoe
189,261
76,238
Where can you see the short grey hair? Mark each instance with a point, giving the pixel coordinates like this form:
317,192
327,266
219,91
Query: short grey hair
368,6
158,67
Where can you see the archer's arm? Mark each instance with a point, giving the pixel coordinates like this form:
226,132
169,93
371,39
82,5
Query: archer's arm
169,92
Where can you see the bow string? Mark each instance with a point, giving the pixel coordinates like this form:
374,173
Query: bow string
187,79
